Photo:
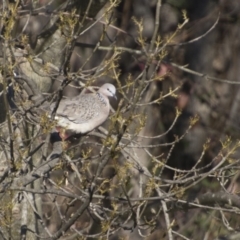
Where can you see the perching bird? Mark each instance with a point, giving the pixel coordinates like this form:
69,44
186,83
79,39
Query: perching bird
82,114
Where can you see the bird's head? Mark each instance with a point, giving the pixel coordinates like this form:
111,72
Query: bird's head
108,90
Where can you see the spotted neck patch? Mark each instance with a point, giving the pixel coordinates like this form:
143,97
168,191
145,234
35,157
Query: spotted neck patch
101,99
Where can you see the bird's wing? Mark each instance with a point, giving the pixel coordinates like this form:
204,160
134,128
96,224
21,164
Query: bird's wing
79,110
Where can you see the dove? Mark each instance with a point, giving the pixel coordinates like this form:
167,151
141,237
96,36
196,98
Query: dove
84,113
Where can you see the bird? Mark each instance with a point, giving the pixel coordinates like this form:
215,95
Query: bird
83,113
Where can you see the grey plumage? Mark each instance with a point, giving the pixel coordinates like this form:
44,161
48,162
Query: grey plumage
84,113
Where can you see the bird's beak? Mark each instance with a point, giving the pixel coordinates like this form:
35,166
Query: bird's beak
115,96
